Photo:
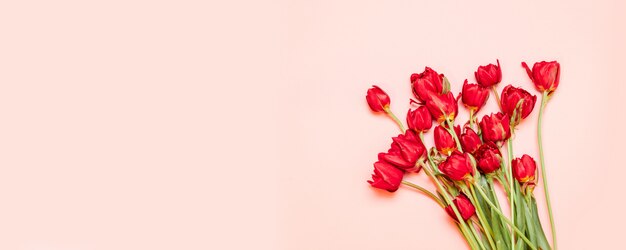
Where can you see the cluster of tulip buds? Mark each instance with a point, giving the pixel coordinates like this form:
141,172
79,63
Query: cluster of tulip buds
466,161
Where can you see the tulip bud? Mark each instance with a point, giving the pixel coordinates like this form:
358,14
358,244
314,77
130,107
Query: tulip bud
442,107
524,169
495,127
377,99
474,96
488,158
511,96
545,75
405,151
457,166
489,75
444,141
465,207
470,141
419,119
426,84
386,176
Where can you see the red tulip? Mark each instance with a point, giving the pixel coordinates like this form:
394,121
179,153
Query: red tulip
495,127
524,169
426,83
377,99
488,158
488,75
545,75
511,96
419,119
405,151
386,176
465,207
444,141
474,96
470,140
442,107
457,166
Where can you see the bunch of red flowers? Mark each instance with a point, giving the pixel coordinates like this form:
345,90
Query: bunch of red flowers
466,162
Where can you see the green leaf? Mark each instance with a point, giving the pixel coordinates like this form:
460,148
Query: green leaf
517,113
503,240
446,86
542,241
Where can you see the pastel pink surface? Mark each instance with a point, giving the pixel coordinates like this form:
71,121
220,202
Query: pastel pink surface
338,49
243,125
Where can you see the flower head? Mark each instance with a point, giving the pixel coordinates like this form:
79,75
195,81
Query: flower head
457,166
495,127
488,158
545,75
377,99
419,119
488,75
511,98
524,169
470,140
405,151
465,207
474,96
426,83
442,107
444,141
386,176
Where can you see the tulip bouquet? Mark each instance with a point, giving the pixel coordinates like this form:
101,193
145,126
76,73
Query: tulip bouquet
466,163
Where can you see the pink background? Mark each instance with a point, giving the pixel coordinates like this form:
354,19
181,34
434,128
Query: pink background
243,125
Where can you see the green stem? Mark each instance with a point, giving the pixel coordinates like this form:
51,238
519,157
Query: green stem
446,196
453,132
512,194
529,219
430,159
541,236
395,119
495,93
482,219
544,100
520,213
476,235
470,240
425,191
466,234
502,179
521,235
495,197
